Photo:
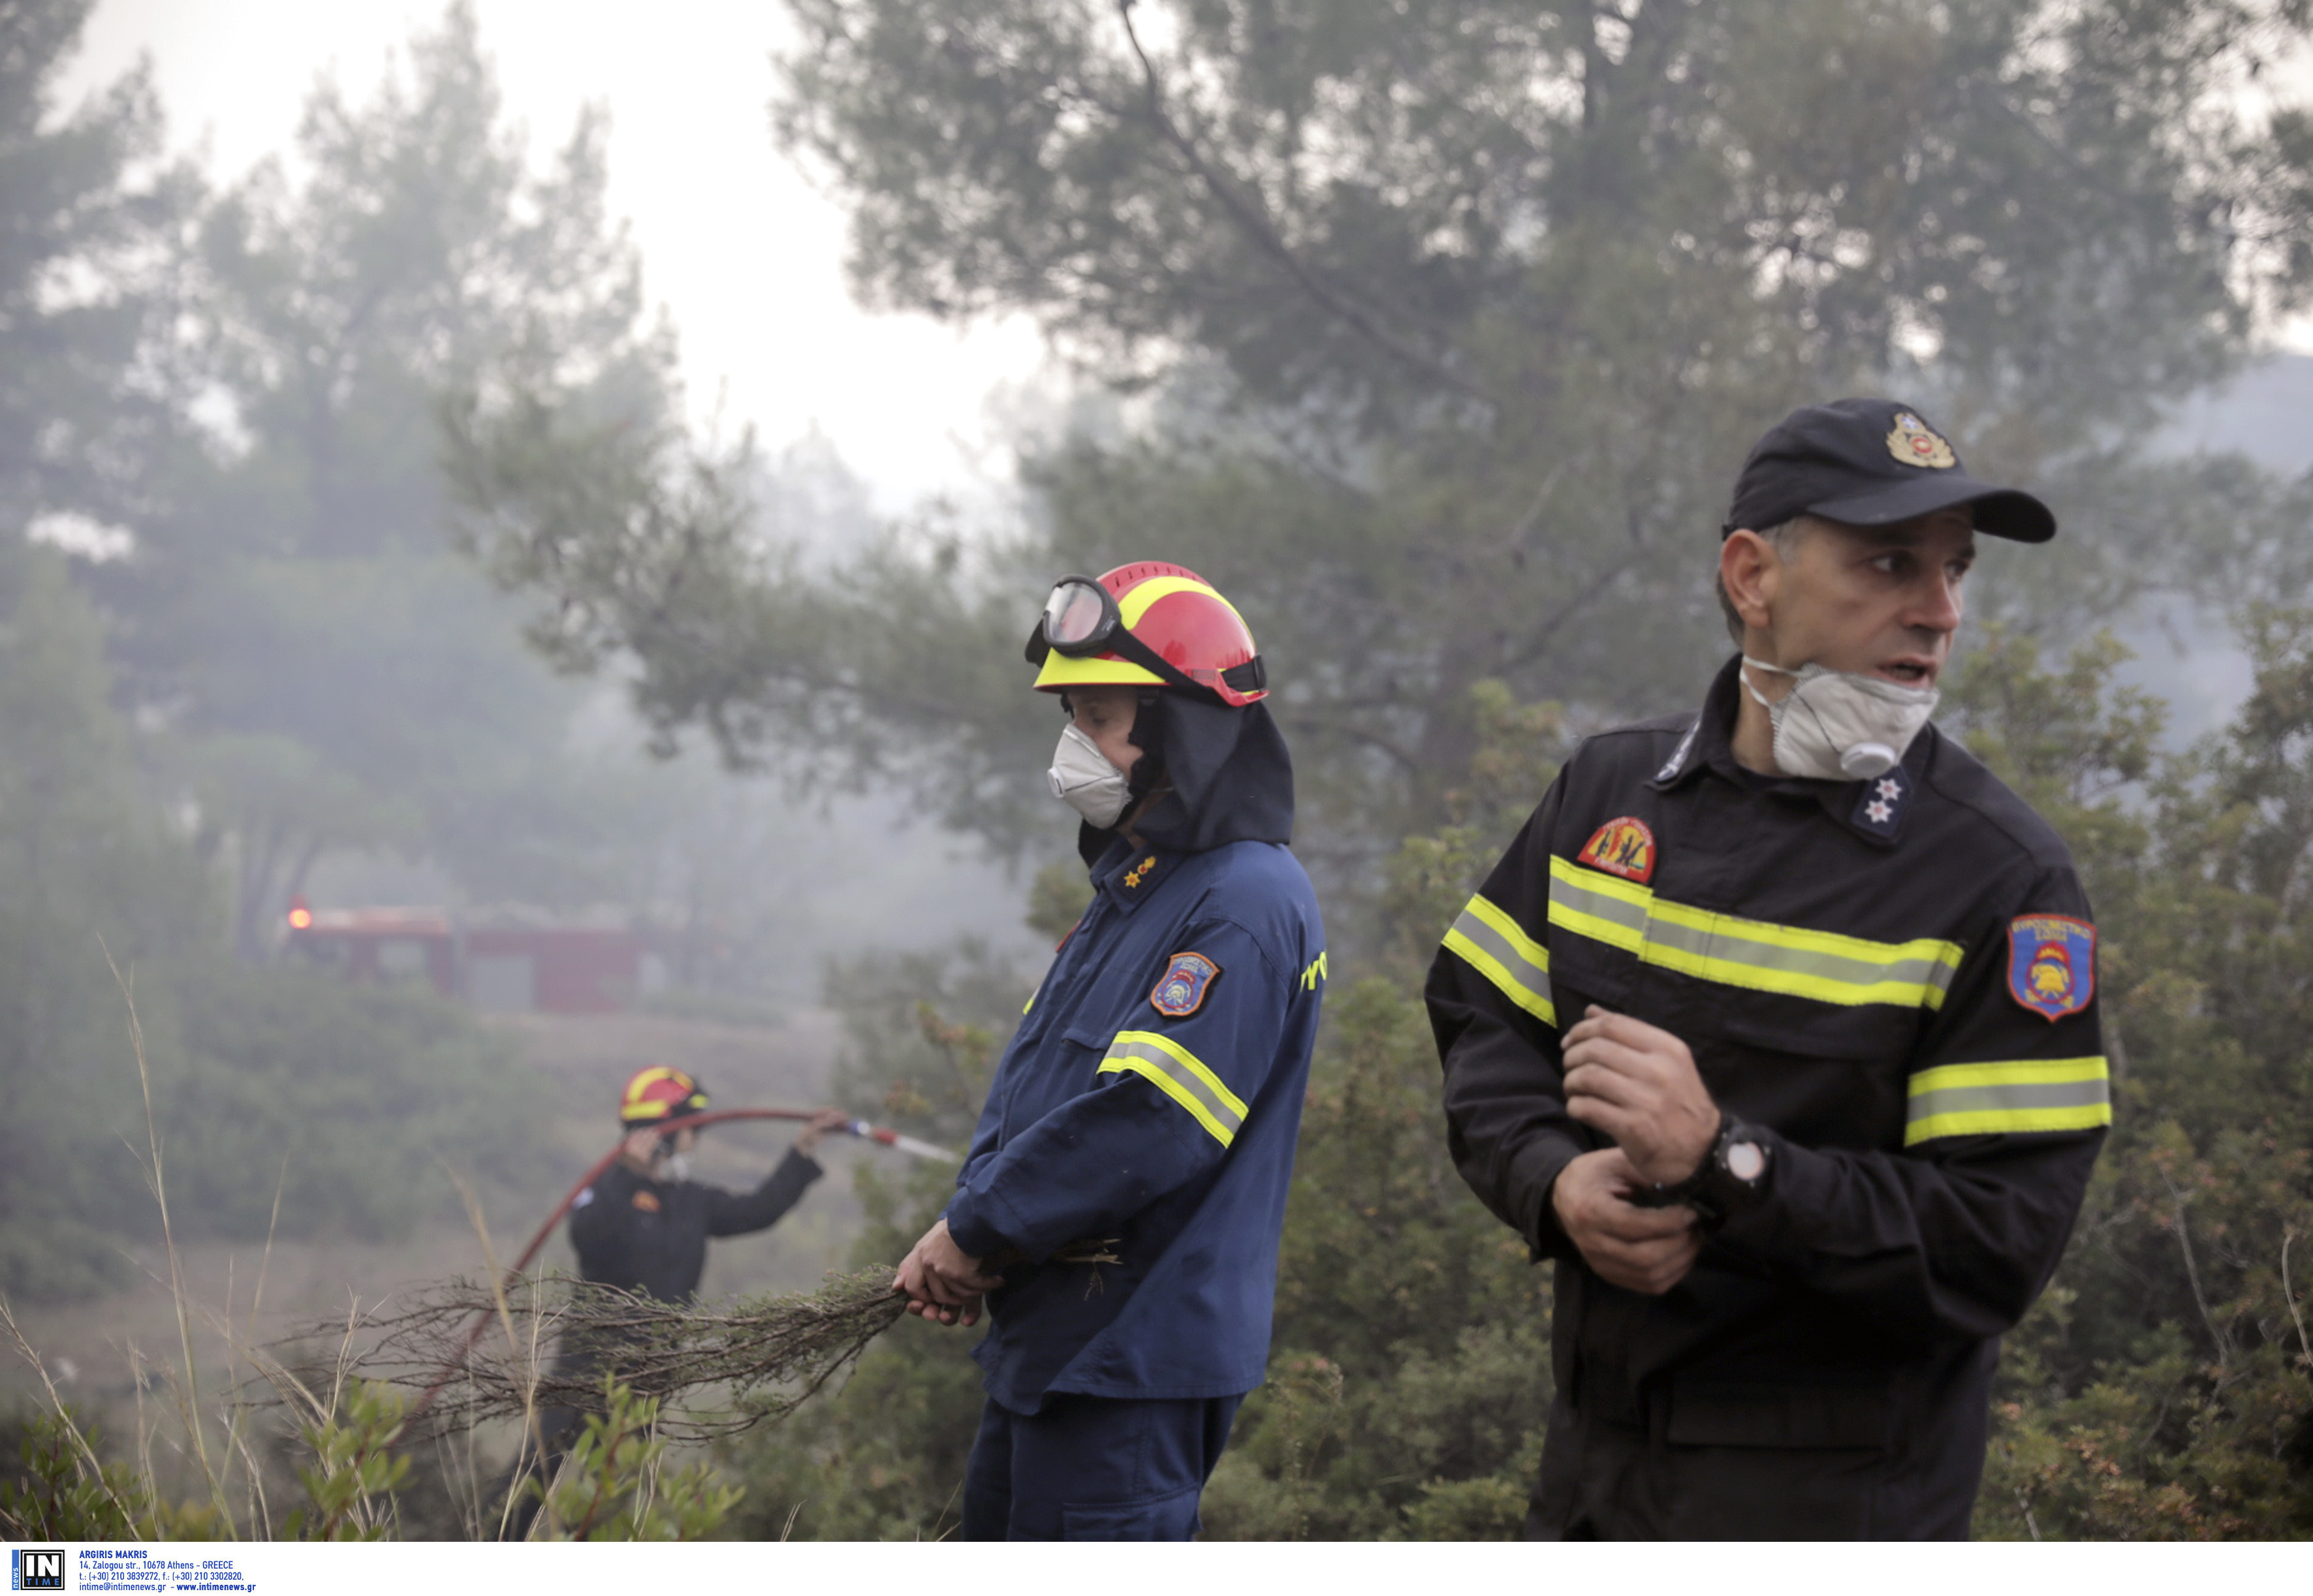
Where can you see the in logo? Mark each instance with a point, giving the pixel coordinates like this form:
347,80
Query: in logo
37,1569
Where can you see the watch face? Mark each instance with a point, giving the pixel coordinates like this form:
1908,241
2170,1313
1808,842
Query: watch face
1745,1161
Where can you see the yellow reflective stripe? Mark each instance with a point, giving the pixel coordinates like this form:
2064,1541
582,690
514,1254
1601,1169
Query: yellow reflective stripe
1180,1075
2007,1096
1494,944
1789,961
1136,603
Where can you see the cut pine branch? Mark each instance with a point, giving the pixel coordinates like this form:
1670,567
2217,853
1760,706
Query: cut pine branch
712,1370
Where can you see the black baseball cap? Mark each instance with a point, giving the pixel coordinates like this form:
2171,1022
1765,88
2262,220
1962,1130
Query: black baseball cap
1870,462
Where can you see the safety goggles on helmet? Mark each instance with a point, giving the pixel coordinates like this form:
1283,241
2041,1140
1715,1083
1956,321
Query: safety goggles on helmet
1081,618
1078,619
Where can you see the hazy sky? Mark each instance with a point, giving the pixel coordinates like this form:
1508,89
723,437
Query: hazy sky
735,242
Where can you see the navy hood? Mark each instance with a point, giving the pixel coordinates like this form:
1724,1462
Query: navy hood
1231,779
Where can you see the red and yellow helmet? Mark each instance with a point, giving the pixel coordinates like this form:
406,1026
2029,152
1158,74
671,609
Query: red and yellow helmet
1149,624
660,1093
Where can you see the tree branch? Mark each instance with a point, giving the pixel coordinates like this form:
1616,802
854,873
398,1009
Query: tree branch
1264,237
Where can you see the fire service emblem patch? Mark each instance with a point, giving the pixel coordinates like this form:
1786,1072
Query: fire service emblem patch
2050,963
1181,991
1622,847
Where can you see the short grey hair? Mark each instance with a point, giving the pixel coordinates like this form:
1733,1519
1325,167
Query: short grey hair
1782,538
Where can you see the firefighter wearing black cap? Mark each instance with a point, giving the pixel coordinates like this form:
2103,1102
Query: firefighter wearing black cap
1777,1028
644,1224
1123,1199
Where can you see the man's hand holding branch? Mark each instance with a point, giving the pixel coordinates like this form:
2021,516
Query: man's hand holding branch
943,1281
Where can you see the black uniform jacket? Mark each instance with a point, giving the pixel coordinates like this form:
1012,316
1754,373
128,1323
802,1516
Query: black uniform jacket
645,1235
1895,980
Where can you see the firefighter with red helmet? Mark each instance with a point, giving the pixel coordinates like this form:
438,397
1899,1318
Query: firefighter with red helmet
1121,1206
643,1225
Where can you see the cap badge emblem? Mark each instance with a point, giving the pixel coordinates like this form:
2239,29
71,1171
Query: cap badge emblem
1623,847
1914,442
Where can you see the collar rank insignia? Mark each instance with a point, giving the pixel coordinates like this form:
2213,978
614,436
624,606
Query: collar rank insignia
1181,990
2051,964
1623,848
646,1200
1881,809
1141,872
1912,441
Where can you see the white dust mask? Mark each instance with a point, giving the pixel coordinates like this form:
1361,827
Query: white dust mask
1834,725
675,1167
1083,779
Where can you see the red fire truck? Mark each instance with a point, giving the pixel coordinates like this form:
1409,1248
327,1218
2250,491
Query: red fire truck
506,961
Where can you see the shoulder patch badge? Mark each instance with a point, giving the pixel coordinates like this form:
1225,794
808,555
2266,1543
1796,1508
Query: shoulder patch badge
2051,964
646,1200
1910,442
1181,989
1623,848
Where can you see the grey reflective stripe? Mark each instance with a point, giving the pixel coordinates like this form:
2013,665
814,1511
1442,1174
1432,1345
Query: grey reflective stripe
1616,911
1525,971
1220,1107
2008,1097
1791,959
1720,943
2008,1100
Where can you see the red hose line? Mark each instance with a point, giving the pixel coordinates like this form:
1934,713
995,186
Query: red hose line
538,1241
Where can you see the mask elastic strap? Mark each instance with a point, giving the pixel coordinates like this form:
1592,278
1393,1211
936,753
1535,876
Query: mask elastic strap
1759,697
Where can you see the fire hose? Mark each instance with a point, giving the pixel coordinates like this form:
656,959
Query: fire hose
858,1127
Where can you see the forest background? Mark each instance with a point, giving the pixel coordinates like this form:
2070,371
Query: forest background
359,520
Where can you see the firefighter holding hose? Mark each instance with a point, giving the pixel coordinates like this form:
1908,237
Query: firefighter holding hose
643,1225
1120,1204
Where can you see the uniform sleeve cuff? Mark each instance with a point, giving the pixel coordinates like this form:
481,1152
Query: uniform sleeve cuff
968,1231
1537,1169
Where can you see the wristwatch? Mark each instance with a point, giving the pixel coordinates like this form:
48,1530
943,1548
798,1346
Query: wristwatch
1731,1177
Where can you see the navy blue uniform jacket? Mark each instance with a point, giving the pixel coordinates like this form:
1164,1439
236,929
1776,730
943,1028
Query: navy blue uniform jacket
1169,1135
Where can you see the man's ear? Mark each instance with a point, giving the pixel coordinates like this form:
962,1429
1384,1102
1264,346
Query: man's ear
1749,570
